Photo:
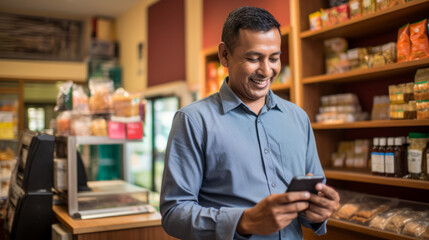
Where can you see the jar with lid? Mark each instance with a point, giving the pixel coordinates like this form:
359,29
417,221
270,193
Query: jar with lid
417,155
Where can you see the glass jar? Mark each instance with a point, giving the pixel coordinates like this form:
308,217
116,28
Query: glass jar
417,155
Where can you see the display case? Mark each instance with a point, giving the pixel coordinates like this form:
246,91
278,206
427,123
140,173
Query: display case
102,198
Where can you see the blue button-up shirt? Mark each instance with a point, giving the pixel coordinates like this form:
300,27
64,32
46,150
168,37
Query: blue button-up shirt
222,158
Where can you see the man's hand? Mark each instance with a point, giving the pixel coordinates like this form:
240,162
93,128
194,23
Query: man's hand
273,213
322,205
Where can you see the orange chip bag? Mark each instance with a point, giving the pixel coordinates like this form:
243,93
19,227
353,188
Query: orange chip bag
419,40
404,44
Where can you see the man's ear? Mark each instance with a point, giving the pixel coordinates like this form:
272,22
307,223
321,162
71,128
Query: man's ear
223,54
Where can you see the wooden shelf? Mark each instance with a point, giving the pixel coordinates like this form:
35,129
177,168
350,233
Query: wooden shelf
372,124
367,230
370,73
372,23
280,86
368,178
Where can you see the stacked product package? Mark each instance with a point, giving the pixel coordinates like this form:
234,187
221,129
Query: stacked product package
392,215
340,108
80,115
421,93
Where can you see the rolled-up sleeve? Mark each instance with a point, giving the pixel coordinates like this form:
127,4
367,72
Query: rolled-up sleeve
182,216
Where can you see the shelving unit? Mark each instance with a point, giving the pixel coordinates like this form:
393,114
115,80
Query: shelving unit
369,30
284,89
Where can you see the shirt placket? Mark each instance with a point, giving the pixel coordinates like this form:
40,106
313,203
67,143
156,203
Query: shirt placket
266,154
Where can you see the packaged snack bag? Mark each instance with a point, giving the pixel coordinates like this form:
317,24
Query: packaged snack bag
419,40
404,44
315,21
355,7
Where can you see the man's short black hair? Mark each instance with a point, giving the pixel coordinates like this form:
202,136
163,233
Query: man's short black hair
252,18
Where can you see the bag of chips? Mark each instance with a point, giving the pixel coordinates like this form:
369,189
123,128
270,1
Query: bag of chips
419,40
404,44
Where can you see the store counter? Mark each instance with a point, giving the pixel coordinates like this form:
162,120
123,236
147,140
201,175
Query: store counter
137,226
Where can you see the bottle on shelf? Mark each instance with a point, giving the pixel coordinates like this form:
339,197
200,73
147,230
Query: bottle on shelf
389,158
400,160
381,156
416,155
374,156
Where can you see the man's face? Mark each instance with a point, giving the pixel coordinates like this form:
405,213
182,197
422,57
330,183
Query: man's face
253,64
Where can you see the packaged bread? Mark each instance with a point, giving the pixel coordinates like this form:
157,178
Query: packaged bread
425,234
416,228
80,125
98,127
64,123
397,222
368,211
347,210
125,104
381,219
101,99
80,99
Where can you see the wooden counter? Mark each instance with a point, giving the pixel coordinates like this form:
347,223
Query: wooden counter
137,226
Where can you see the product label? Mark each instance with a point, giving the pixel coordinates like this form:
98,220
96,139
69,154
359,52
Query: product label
381,163
415,161
427,163
374,162
389,160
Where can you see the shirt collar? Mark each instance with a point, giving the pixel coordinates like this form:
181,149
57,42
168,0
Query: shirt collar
230,100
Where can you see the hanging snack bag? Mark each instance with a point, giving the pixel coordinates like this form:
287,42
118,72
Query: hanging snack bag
403,45
419,40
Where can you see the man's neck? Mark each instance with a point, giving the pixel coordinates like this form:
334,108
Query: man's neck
256,106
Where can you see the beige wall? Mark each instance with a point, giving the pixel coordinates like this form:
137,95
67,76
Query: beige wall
131,29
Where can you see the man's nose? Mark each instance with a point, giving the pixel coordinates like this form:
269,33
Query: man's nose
265,69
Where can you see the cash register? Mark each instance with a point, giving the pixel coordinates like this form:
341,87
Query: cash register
29,203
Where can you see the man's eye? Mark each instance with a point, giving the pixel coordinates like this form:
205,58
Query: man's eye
252,60
274,59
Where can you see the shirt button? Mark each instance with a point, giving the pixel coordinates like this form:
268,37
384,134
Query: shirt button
273,185
259,121
266,151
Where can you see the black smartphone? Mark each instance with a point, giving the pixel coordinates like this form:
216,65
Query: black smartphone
304,183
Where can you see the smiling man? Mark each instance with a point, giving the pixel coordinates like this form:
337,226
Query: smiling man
231,156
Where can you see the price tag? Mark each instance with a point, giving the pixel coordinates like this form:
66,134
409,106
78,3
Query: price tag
134,130
116,130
